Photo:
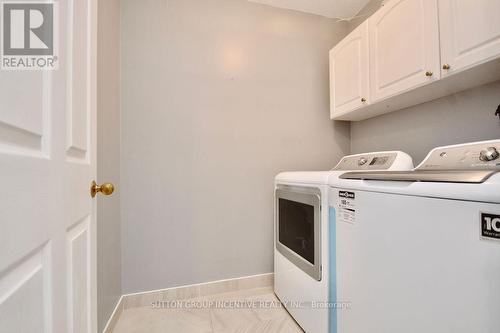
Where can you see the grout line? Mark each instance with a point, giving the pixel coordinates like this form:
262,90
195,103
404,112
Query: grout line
210,314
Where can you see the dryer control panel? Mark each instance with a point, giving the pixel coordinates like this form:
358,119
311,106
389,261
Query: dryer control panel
471,156
388,160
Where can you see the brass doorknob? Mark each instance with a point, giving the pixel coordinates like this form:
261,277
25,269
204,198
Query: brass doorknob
106,189
429,73
446,66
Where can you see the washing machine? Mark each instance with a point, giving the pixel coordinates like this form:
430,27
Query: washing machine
301,235
419,251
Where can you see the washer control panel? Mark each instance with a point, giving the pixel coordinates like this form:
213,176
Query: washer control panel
362,161
369,161
470,156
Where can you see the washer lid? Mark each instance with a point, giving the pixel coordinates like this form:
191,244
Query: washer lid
448,176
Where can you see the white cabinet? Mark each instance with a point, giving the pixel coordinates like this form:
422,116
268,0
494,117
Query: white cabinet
470,33
414,51
404,47
349,72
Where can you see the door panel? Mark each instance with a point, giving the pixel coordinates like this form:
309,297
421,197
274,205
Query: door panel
470,33
404,46
47,161
298,223
296,228
79,296
349,72
22,120
78,78
26,291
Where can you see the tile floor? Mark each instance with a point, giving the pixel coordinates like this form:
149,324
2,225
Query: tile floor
248,311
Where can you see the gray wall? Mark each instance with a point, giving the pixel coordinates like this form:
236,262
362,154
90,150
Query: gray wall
463,117
218,97
108,156
370,8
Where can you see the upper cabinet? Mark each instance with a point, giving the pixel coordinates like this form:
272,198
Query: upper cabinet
349,72
404,47
413,51
470,33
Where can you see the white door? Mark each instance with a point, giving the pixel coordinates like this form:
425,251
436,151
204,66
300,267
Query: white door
47,161
404,47
470,33
349,72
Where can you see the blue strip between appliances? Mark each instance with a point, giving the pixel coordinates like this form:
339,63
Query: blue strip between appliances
332,264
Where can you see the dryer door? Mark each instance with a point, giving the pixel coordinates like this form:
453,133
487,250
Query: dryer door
298,223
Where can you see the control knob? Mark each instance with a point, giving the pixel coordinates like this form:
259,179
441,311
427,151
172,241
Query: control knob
362,161
489,154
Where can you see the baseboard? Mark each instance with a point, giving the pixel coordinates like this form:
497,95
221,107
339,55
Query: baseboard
146,298
197,290
115,315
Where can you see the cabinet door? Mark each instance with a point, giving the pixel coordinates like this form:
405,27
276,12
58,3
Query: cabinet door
470,33
404,47
349,72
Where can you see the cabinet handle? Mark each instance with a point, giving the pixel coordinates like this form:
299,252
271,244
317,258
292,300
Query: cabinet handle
363,100
429,73
446,66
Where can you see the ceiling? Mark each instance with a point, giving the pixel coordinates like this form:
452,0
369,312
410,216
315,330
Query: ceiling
342,9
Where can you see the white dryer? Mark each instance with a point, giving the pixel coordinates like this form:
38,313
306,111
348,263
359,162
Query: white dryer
419,251
301,235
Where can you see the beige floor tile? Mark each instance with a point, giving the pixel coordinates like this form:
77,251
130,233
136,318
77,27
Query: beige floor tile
243,294
248,311
273,312
236,321
283,325
149,320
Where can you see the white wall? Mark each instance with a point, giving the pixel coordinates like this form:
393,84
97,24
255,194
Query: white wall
463,117
108,153
218,97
